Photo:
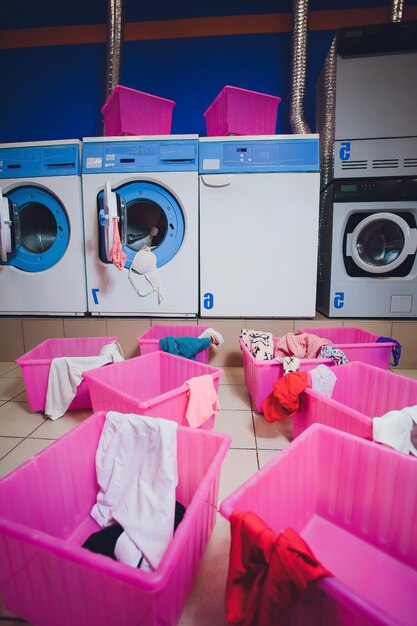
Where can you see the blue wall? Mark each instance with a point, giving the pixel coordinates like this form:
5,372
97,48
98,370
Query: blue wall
53,92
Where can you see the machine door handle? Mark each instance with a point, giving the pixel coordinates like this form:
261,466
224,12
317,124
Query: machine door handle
5,227
217,180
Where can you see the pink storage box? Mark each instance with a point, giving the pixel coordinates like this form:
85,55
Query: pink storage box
36,363
153,384
361,392
131,112
355,504
357,344
149,341
238,111
46,577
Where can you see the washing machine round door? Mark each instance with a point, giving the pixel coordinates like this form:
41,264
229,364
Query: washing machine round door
381,242
39,229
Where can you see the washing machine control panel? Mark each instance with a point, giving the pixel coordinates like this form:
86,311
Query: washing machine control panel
370,190
25,162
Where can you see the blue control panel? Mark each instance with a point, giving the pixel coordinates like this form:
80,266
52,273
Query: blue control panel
25,162
268,155
140,156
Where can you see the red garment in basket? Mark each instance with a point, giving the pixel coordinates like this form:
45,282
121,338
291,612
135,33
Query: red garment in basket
268,573
284,400
117,255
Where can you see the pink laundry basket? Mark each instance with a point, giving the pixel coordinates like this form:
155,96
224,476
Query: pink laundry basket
131,112
237,111
46,577
357,344
355,503
361,392
149,341
36,363
153,384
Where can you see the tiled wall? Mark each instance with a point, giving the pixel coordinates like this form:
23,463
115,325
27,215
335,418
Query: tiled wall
18,335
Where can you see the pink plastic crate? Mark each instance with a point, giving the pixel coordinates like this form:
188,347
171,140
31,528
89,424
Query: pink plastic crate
47,578
149,341
131,112
36,363
238,111
361,392
357,344
345,496
153,384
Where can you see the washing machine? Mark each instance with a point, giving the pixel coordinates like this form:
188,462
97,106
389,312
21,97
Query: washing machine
141,193
368,243
42,269
259,207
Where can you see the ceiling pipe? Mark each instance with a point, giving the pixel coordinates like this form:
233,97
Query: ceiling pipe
114,43
396,12
299,63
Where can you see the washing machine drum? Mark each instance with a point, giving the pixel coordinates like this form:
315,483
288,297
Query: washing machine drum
148,214
34,232
380,244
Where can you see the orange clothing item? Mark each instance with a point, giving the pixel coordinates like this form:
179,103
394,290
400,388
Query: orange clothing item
268,573
284,400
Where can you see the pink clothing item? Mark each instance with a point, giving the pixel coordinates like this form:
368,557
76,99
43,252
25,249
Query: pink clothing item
303,346
203,400
117,255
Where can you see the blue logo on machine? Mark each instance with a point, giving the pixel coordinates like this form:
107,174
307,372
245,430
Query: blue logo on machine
94,293
339,299
208,300
344,151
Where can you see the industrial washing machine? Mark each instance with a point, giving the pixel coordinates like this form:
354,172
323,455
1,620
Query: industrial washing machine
42,270
141,194
368,265
259,206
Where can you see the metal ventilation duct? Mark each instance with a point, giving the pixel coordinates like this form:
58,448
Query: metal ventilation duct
396,12
114,43
299,63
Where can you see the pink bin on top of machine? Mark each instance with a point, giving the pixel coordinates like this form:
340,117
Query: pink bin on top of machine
153,384
149,340
49,579
355,504
360,393
36,363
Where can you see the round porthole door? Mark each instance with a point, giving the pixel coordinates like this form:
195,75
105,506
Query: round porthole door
381,242
39,229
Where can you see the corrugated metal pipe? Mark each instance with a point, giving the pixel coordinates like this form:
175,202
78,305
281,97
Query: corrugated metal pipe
396,12
299,63
114,43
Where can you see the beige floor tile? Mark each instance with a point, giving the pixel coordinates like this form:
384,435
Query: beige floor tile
37,330
237,467
277,327
7,444
234,397
85,327
316,323
232,376
229,354
16,420
15,372
266,455
408,373
22,397
11,344
275,436
205,605
7,366
24,451
52,429
10,388
406,334
239,425
128,331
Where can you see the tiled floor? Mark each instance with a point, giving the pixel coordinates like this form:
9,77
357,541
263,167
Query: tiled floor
254,442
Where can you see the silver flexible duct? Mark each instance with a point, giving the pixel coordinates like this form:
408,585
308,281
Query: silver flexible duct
114,43
396,12
299,62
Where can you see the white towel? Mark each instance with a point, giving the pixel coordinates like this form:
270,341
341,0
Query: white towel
395,429
215,337
136,464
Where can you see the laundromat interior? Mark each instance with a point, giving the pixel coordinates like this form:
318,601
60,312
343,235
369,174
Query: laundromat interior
236,184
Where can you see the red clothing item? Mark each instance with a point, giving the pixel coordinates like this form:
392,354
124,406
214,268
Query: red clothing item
284,400
268,573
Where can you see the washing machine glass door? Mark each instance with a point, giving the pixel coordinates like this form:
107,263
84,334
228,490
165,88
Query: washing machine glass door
39,229
7,240
381,242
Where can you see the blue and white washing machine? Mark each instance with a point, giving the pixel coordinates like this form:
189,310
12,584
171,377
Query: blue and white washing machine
42,268
148,187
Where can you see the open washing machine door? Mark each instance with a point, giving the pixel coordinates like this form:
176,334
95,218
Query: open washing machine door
381,243
6,228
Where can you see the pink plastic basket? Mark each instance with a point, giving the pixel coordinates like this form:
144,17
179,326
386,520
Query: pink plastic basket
131,112
361,392
153,384
238,111
347,499
46,577
36,363
149,341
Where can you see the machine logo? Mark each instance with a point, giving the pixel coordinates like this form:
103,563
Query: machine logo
344,151
339,299
208,300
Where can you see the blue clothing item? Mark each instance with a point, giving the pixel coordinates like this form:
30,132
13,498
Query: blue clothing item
396,350
186,347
